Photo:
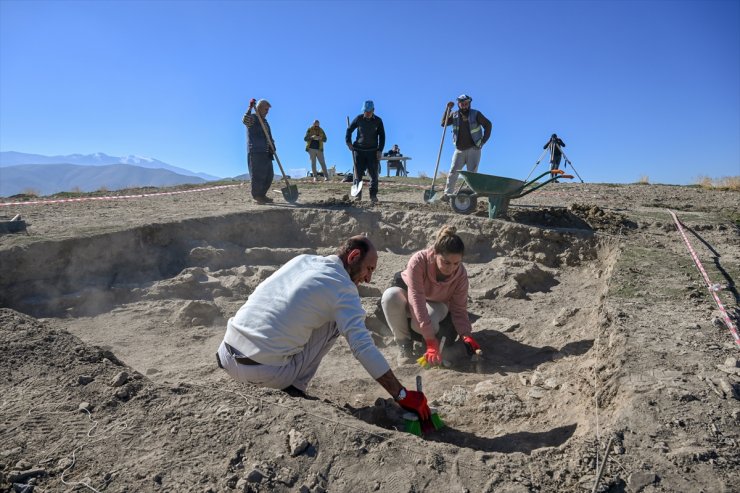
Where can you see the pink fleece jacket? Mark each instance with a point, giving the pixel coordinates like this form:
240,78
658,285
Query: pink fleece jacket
421,278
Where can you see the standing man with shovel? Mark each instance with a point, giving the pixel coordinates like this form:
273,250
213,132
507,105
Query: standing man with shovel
260,155
470,131
367,148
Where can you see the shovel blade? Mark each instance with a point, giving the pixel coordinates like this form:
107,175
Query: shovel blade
290,193
356,189
431,196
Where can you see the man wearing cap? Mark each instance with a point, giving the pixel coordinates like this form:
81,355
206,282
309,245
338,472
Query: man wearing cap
470,131
368,146
292,319
260,151
315,138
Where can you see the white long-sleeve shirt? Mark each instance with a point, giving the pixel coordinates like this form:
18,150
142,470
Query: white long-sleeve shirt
306,293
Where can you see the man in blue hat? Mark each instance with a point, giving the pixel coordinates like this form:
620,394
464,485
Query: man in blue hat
470,131
368,146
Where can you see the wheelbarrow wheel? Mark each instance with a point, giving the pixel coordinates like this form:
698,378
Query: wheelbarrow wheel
464,202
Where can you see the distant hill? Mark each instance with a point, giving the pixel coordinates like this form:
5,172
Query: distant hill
48,179
12,158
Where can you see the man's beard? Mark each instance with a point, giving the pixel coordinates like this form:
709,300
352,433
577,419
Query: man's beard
465,111
355,271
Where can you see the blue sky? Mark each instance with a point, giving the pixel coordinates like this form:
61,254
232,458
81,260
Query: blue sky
634,88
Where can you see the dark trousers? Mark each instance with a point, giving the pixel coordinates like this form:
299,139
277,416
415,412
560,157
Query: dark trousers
555,163
260,172
368,161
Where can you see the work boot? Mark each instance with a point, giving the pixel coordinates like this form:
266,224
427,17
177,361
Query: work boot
445,198
374,200
405,353
296,392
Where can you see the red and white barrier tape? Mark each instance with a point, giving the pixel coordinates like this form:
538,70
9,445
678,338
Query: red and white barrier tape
712,287
116,197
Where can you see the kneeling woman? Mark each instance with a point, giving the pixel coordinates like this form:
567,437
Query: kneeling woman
434,284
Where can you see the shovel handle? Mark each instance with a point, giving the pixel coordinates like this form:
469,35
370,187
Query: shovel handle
268,138
354,159
441,143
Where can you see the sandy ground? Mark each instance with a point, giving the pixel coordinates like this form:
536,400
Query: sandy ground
598,332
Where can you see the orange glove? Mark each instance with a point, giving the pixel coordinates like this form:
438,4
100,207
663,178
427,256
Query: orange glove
432,355
415,402
471,345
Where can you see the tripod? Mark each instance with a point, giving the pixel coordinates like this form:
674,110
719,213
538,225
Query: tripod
567,162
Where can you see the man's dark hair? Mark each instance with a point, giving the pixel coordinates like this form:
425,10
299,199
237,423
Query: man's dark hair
361,242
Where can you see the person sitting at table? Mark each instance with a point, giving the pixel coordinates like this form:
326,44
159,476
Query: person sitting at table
395,152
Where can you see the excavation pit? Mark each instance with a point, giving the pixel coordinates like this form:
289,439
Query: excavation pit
534,299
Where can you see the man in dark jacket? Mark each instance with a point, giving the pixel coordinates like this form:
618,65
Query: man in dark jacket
400,168
260,151
556,154
368,146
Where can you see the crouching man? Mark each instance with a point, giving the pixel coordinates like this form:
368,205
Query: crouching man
278,338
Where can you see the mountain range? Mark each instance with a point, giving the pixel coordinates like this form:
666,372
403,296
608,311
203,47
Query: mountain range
46,175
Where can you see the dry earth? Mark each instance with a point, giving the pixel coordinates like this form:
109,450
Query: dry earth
597,328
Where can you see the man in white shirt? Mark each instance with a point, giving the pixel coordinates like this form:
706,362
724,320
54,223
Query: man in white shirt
280,335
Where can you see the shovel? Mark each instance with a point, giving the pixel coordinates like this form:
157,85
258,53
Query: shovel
290,192
356,187
429,195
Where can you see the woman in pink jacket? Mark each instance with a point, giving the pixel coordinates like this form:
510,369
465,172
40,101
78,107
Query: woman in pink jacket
434,284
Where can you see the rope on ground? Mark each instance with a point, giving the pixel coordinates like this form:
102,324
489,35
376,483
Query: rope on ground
97,438
597,390
712,287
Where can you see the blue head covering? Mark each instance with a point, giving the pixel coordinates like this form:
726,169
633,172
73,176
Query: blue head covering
368,106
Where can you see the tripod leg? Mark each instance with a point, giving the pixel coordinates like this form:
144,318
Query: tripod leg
572,167
536,164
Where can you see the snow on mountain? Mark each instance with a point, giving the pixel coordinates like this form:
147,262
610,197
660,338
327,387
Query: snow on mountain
12,158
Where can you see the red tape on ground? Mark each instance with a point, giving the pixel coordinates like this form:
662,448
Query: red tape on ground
710,285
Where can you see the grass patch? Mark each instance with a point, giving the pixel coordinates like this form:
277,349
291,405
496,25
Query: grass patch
725,183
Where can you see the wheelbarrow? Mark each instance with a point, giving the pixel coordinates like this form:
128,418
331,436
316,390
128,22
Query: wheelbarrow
498,189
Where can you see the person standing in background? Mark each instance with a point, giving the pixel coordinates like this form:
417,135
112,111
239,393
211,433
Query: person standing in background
315,138
470,131
259,151
368,146
556,154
